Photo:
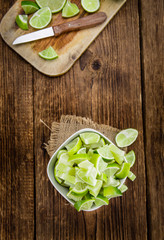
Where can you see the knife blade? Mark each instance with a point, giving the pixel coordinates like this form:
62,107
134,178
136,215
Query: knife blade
81,23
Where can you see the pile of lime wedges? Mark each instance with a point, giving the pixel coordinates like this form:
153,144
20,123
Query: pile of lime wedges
43,10
93,169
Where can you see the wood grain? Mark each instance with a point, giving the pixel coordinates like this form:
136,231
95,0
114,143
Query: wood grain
16,138
69,46
153,92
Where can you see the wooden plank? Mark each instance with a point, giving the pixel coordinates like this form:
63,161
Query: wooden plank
104,84
69,46
153,89
16,127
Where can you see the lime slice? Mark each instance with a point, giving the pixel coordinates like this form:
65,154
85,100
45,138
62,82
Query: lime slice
131,176
105,153
61,152
130,158
117,153
86,165
101,143
70,10
41,18
55,6
111,169
98,162
126,137
94,190
123,188
90,5
29,7
74,146
90,137
100,200
102,177
111,182
111,192
123,172
82,150
88,176
22,21
84,204
77,158
48,54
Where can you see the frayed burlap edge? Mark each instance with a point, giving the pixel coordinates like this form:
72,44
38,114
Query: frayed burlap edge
70,124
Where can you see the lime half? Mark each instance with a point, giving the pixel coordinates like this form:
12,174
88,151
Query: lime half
126,137
90,5
54,5
70,10
29,7
48,54
84,204
22,21
41,18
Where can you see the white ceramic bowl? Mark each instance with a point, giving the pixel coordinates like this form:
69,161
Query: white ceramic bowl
50,168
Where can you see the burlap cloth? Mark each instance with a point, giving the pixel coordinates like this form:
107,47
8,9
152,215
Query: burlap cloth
70,124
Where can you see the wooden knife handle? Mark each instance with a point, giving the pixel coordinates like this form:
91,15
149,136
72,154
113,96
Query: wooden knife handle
81,23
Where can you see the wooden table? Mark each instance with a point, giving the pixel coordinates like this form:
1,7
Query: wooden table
117,81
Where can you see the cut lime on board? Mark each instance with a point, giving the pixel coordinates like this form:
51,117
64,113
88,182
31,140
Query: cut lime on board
126,137
41,18
74,146
100,200
22,21
84,204
123,172
70,10
105,152
48,54
130,158
90,137
29,7
90,5
54,5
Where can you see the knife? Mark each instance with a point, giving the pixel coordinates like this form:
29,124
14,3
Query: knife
81,23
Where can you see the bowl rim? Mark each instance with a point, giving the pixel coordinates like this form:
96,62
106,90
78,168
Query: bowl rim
74,135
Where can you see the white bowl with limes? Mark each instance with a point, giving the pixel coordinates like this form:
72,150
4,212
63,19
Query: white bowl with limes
50,168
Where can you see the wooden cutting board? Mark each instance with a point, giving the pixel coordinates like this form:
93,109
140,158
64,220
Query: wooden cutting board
69,46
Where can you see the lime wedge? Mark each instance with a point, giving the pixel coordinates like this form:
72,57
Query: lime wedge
61,152
85,165
80,189
88,196
123,188
98,162
123,172
100,200
54,5
126,137
70,10
111,169
82,150
111,182
130,158
102,177
22,21
84,204
88,176
41,18
117,153
111,192
90,137
105,152
94,190
77,158
69,179
131,176
74,197
90,5
64,159
59,180
48,54
74,146
29,7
